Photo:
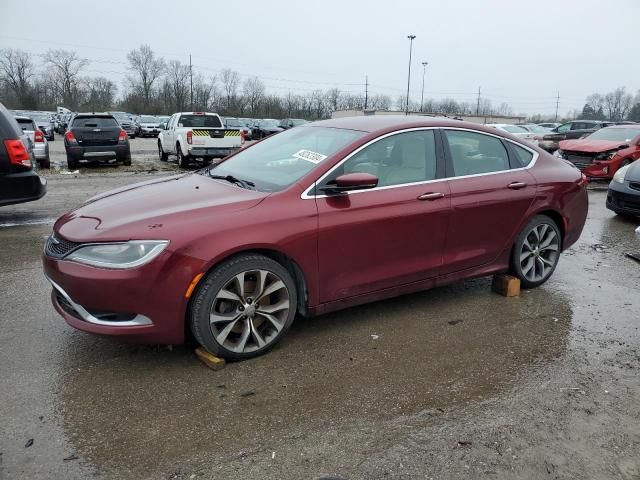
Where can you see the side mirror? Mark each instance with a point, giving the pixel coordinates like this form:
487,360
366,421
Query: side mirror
351,181
163,126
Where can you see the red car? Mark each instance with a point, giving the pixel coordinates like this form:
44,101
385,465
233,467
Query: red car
317,218
603,152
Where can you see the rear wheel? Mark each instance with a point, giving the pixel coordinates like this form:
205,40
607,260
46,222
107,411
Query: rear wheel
46,163
536,252
243,307
161,153
182,160
71,163
126,161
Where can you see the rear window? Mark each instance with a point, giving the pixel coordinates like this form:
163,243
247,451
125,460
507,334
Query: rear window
26,124
94,122
211,121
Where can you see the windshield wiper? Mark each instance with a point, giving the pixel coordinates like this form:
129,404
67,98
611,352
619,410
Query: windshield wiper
235,180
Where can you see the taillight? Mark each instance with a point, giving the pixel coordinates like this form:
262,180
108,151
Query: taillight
70,137
122,136
189,137
18,154
241,136
38,136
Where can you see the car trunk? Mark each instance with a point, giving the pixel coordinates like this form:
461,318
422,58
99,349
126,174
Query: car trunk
93,136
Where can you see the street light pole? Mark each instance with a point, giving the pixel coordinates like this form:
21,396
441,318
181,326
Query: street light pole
411,38
424,70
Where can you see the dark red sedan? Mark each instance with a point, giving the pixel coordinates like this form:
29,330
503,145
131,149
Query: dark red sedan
317,218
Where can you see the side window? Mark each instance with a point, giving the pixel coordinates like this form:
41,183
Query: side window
523,156
580,126
473,153
564,127
403,158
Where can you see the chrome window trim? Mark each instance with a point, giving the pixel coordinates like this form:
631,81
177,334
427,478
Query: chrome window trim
306,195
138,320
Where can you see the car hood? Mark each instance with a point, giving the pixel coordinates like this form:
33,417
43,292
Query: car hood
591,146
156,209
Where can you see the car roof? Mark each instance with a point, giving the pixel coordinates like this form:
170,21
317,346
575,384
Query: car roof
374,123
23,118
625,125
85,115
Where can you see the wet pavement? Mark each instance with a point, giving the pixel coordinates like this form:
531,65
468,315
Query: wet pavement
456,382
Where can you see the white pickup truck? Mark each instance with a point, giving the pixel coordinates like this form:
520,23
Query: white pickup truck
197,136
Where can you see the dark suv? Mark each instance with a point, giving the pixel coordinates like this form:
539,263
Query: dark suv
570,131
18,181
96,137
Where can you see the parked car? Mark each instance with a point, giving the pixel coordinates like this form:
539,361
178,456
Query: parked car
266,127
230,122
197,136
38,142
570,130
602,153
96,137
148,126
623,196
126,122
44,122
318,218
550,125
516,130
63,122
18,180
291,122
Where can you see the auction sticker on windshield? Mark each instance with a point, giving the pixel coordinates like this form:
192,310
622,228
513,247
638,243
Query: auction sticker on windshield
309,156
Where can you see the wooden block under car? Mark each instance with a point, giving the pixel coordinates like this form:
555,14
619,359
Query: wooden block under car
211,361
506,285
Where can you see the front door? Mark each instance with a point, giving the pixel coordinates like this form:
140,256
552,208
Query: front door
390,235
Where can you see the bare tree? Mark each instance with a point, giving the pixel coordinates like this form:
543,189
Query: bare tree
617,104
230,80
101,93
178,77
253,91
16,71
65,67
147,69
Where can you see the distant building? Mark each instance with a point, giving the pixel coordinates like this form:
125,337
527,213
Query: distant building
481,119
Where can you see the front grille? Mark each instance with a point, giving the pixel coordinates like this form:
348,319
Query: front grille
635,185
625,201
58,247
580,161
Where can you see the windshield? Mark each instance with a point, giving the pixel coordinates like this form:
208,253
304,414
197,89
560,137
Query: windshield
94,122
121,117
535,128
232,122
269,123
297,122
42,118
616,134
281,160
513,129
26,124
211,121
146,119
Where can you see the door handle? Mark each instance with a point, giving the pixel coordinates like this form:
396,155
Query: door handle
431,196
516,185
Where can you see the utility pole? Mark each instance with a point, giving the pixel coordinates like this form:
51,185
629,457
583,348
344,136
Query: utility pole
557,103
411,38
478,104
424,70
191,80
366,91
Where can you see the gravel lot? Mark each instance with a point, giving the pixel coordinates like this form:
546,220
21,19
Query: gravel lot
456,382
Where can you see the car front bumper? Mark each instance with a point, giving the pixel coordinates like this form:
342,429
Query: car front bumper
146,304
621,198
155,131
21,187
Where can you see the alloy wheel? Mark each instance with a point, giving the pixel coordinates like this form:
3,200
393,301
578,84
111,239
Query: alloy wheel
539,252
250,311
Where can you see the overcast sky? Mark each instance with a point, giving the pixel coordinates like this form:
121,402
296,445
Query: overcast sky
520,52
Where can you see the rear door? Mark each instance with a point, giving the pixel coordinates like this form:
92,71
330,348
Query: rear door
95,131
490,194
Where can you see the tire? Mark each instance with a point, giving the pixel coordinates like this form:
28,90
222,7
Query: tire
241,330
126,161
46,163
53,137
536,252
161,153
182,160
71,163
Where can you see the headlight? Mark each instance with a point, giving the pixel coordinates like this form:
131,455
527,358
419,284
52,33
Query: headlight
119,255
619,176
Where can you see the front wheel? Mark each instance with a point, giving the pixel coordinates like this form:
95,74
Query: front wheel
162,154
536,252
243,307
